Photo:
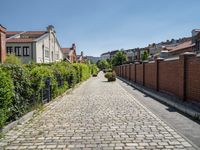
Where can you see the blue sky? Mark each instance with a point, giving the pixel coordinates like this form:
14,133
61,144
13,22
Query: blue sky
97,26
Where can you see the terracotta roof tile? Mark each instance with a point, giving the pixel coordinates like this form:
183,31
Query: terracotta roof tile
20,40
65,50
181,46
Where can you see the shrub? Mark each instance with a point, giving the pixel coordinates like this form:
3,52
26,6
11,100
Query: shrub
12,59
22,90
6,96
94,70
111,76
60,73
38,75
85,72
21,85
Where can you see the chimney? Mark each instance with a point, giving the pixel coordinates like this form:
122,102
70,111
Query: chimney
2,44
81,53
50,28
74,46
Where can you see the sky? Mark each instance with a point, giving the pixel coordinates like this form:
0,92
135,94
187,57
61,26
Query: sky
98,26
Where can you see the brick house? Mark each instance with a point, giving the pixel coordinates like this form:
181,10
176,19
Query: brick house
2,44
36,46
69,54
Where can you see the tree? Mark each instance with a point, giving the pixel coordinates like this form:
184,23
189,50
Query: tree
119,58
145,55
103,64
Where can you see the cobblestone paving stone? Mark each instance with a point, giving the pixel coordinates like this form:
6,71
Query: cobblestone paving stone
97,115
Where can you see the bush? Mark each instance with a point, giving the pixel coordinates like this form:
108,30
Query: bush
111,76
6,96
22,90
21,85
85,71
12,59
38,75
94,70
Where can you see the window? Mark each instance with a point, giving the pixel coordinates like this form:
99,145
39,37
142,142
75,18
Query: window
46,53
26,51
18,51
9,50
198,48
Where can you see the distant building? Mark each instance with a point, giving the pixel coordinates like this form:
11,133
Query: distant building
36,46
69,54
105,56
112,53
2,44
196,39
131,54
93,59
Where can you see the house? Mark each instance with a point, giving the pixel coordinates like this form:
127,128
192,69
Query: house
69,54
105,56
131,54
81,58
2,44
36,46
112,53
187,46
196,39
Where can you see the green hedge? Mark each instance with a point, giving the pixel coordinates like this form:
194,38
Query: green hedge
21,85
6,96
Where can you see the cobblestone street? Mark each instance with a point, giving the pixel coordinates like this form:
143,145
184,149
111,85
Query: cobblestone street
96,115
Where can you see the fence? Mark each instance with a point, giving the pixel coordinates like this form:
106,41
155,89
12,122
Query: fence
179,77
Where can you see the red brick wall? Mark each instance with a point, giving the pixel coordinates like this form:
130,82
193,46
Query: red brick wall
180,77
132,72
169,76
150,75
193,79
139,73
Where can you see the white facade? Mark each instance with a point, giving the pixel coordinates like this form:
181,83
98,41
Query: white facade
44,49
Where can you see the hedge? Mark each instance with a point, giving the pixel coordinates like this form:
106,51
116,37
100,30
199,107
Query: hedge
21,85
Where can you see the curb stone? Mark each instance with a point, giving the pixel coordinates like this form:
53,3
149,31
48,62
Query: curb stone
181,107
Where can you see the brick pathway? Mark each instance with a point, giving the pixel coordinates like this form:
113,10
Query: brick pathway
97,115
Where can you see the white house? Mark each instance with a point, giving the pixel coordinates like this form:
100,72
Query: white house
105,56
34,46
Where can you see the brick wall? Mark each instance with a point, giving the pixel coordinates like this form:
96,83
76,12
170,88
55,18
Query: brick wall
169,77
193,79
150,75
139,73
179,77
2,44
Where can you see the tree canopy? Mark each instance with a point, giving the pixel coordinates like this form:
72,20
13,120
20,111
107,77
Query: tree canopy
119,58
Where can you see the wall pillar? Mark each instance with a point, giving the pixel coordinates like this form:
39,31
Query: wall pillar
2,44
143,69
130,71
183,74
136,63
158,60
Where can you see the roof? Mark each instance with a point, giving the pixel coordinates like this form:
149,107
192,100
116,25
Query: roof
20,40
33,34
197,30
65,50
12,33
2,28
181,46
24,36
105,53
